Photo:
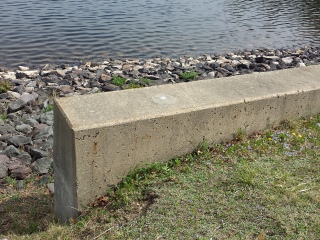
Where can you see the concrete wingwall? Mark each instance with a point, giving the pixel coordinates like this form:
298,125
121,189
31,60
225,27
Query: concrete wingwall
99,138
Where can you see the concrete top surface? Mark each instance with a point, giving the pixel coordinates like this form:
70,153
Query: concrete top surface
112,108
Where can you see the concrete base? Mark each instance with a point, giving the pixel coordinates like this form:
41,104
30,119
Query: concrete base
99,138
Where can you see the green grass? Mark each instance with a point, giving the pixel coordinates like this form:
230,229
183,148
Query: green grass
3,117
146,81
5,86
48,108
263,186
143,82
189,75
118,81
133,85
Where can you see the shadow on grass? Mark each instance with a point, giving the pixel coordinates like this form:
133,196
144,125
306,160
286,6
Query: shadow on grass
21,215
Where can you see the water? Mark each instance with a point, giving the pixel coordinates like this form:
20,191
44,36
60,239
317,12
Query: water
34,32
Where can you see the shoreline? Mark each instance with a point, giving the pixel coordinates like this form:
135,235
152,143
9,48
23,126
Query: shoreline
26,133
160,70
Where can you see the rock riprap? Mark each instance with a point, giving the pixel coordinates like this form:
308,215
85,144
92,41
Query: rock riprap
26,116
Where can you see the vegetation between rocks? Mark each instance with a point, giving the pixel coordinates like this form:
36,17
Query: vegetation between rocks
263,186
189,75
118,81
5,86
48,108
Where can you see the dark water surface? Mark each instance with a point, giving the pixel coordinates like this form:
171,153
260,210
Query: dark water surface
34,32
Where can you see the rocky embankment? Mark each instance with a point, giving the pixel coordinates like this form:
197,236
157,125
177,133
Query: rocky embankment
26,118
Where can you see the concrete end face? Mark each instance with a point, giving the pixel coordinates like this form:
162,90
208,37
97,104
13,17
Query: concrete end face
65,181
91,158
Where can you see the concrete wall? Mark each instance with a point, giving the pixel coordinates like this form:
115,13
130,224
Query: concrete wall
99,138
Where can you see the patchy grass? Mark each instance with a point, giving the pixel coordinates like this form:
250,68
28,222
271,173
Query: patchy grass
24,212
3,117
48,108
133,85
263,186
118,81
189,75
146,81
5,86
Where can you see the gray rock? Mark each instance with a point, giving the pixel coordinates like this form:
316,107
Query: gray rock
44,180
211,74
4,160
229,68
20,74
44,133
27,98
29,89
273,58
51,187
47,145
300,64
20,89
32,84
6,128
214,65
63,82
29,74
13,116
66,89
47,118
10,75
42,165
19,184
104,77
19,140
3,172
4,95
11,151
16,106
13,95
23,68
18,170
24,128
61,73
37,153
95,90
31,121
3,145
25,158
110,87
287,60
273,66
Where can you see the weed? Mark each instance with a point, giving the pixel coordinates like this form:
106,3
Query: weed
241,135
48,108
11,181
132,85
3,117
118,81
5,86
146,81
189,75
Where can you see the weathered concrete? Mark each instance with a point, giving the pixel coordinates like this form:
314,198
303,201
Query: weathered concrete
99,138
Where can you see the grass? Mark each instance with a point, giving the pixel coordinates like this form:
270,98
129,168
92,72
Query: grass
263,186
146,81
189,75
118,81
5,86
48,108
143,82
3,117
133,85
